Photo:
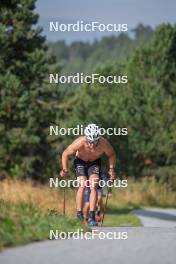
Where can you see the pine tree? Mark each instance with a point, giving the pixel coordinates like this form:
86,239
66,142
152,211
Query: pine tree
151,99
145,105
25,149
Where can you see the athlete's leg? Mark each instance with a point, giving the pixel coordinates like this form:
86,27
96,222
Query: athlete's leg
80,170
99,201
86,205
86,210
93,173
94,178
80,193
99,204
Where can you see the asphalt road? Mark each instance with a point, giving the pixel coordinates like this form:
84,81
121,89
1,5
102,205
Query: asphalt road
156,217
144,245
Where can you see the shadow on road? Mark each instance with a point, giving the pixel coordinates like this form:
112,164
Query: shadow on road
155,214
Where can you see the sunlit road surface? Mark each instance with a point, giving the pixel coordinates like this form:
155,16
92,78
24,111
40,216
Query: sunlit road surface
144,245
156,217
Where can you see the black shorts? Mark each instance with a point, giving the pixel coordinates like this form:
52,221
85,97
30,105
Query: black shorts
87,168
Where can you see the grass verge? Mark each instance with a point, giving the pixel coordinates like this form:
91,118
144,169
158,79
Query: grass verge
23,223
121,216
29,210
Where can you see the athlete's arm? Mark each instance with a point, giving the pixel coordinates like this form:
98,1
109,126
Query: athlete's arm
69,151
110,153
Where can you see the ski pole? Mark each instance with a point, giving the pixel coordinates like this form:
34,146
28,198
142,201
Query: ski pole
64,201
105,207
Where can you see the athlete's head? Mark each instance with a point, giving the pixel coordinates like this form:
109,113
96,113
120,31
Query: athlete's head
92,133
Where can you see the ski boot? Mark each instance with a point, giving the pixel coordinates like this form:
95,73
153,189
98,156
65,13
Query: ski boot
98,218
80,216
92,222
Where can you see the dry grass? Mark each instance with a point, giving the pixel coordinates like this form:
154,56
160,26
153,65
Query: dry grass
40,196
144,193
147,192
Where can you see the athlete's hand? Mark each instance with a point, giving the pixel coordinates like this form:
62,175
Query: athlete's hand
112,174
63,173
